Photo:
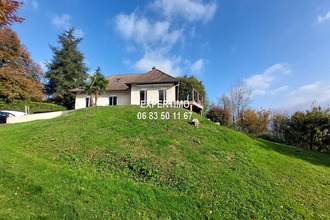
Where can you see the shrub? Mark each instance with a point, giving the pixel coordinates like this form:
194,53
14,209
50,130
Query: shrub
35,107
218,114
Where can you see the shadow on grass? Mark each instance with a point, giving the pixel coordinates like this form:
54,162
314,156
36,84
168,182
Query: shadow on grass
313,157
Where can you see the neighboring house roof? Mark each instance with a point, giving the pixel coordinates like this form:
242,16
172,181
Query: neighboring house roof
122,82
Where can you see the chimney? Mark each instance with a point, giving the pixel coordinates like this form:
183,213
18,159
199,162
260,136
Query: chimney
153,67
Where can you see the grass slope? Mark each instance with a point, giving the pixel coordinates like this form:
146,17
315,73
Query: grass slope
104,163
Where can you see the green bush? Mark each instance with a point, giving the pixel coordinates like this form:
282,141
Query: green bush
19,105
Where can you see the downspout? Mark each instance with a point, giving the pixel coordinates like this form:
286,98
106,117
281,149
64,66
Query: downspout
178,90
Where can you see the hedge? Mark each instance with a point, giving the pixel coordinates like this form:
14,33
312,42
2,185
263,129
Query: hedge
35,107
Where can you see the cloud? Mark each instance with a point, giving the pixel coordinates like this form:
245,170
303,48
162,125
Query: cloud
307,94
79,33
160,61
261,83
191,10
43,65
197,67
35,4
31,4
62,21
155,38
321,19
145,32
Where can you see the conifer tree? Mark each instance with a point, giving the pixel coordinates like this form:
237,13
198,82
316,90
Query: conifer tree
67,69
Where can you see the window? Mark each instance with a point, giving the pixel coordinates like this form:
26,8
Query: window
118,79
87,102
162,95
113,100
143,96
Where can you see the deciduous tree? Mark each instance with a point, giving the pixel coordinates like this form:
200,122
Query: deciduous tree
240,95
8,10
19,75
255,122
310,130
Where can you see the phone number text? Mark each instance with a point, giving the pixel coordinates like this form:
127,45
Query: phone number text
163,115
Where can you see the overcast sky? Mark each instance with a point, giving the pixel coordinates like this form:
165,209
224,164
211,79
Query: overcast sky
279,47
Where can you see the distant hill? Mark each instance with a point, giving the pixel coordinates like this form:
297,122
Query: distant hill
104,163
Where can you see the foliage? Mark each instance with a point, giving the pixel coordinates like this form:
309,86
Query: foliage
66,71
98,83
254,122
186,86
278,126
218,114
104,163
35,107
8,10
310,130
19,75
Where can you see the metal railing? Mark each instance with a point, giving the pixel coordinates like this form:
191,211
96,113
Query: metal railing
197,97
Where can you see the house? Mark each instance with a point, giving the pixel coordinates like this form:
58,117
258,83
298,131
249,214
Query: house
132,89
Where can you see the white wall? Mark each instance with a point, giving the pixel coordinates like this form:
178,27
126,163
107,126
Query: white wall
33,117
80,101
123,98
130,97
152,93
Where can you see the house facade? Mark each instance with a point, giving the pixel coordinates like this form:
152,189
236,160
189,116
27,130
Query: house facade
132,89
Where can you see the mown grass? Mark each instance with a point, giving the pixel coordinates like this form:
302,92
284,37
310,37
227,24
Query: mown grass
104,163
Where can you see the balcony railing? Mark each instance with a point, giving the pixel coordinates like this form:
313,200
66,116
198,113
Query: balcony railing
196,97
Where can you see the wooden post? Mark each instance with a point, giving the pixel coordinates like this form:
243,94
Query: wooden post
190,107
193,97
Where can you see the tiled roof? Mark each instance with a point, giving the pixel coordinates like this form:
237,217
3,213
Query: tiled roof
122,82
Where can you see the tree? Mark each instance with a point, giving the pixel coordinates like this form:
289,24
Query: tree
310,130
19,75
90,90
254,122
218,114
224,102
240,95
186,86
66,71
278,126
96,85
8,10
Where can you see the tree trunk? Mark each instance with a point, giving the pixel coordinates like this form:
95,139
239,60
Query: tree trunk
91,104
96,96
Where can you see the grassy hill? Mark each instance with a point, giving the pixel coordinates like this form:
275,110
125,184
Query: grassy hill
104,163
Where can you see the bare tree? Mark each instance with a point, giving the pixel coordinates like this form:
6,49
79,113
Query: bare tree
224,102
240,95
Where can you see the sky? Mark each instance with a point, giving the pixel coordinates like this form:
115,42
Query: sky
280,48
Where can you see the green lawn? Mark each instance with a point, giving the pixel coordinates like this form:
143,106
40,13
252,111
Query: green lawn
104,163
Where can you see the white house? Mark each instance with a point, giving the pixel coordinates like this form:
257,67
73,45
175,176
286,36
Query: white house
132,89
